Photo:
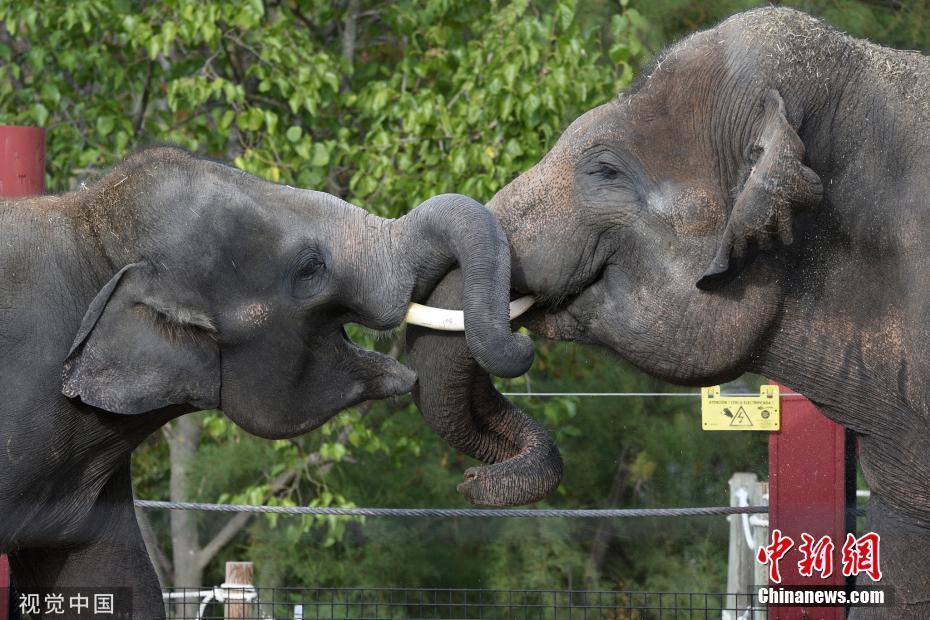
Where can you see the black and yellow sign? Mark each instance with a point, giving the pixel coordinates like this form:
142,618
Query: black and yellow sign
740,413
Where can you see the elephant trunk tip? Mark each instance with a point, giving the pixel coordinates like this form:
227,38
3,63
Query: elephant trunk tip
509,484
526,477
507,356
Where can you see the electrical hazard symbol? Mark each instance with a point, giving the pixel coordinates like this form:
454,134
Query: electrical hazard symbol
741,418
740,412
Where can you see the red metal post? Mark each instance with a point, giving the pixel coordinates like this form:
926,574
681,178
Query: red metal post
22,161
22,173
807,494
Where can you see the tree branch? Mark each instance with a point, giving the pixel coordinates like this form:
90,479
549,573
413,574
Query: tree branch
605,527
162,564
349,33
144,102
222,538
320,34
279,484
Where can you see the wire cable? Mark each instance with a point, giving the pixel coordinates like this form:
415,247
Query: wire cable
634,394
598,513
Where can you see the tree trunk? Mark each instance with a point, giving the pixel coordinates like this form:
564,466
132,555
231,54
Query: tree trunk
183,438
604,532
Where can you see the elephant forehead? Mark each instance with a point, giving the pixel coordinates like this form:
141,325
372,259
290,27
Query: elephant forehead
595,126
548,189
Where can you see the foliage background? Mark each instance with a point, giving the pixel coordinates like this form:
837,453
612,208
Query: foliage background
386,104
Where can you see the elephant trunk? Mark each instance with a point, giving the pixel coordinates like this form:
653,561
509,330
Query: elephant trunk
450,229
459,401
524,464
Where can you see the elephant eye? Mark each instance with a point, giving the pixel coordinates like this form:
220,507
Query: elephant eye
310,269
309,264
606,172
608,177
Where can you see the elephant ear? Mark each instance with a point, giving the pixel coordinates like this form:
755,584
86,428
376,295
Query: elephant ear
778,186
141,348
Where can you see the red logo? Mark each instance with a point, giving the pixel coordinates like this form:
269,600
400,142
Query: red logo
773,553
859,555
818,556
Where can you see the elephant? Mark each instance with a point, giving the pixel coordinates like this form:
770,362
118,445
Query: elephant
754,201
176,283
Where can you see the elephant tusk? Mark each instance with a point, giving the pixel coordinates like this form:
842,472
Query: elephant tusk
454,320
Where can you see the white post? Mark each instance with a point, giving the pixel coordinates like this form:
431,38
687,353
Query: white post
760,497
741,566
238,580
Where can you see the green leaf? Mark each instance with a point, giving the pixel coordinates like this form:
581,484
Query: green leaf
51,93
105,125
153,45
39,113
169,31
121,140
334,452
531,104
227,119
250,120
565,15
320,155
294,133
379,100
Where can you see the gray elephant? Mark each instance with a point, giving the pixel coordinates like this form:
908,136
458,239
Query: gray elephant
177,283
756,201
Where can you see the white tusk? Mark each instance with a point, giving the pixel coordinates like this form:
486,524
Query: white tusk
454,320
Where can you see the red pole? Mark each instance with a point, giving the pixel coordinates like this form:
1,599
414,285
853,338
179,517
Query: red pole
22,173
22,161
807,494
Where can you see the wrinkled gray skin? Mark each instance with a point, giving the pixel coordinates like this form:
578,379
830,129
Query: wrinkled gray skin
758,201
177,283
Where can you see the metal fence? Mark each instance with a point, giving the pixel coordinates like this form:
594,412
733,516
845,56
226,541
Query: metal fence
397,603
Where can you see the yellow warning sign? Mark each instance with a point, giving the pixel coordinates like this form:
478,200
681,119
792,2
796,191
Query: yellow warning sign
740,413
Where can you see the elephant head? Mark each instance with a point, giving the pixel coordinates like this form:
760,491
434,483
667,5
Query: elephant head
656,226
752,203
224,290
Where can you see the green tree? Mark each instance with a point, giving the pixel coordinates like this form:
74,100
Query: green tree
383,104
904,24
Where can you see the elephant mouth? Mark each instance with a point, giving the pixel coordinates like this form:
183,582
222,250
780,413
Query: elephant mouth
378,375
336,374
345,336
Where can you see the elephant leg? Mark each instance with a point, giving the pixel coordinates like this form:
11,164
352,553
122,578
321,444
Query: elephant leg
109,554
895,460
459,401
904,557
